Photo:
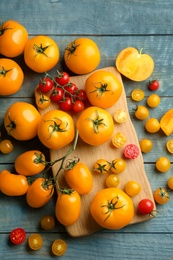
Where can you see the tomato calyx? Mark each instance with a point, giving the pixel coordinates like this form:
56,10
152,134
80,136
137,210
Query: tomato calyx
39,158
56,127
3,29
102,168
71,164
100,90
40,49
11,125
3,72
111,205
97,122
163,193
71,48
42,99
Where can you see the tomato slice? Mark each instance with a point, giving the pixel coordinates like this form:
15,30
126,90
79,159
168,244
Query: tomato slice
120,116
131,151
119,139
35,241
59,247
169,145
18,236
137,94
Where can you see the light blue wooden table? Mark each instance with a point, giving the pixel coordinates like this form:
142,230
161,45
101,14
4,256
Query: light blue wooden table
114,25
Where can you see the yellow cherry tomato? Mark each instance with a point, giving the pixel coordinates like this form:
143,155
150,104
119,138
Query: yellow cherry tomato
161,196
152,125
163,164
169,145
35,241
47,222
6,146
59,247
118,165
170,182
141,112
132,188
43,101
101,166
112,180
137,94
146,145
153,100
119,140
120,116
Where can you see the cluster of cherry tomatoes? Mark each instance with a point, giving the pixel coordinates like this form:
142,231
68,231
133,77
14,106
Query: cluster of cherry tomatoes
62,91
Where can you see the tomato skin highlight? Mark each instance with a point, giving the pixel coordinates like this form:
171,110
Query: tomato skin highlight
112,208
13,184
39,193
68,208
79,178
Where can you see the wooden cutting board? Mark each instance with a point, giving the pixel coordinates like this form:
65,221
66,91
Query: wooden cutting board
89,154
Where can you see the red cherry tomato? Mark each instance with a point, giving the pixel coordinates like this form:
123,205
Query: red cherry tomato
71,88
78,106
131,151
145,206
62,78
45,85
81,95
18,236
66,104
57,94
153,85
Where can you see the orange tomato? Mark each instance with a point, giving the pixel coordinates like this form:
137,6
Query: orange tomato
13,184
134,64
166,122
68,207
95,125
39,193
82,56
103,89
112,208
13,38
30,163
21,120
101,166
6,146
79,177
132,188
41,53
56,129
161,196
11,77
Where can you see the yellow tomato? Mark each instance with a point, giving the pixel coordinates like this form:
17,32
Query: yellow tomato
141,112
153,100
112,180
118,165
132,188
163,164
103,89
152,125
137,94
119,140
41,53
82,56
161,196
146,145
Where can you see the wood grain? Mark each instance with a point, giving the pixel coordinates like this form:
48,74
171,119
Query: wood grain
85,225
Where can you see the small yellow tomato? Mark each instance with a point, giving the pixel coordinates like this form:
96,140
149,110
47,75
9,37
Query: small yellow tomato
153,100
137,94
119,140
132,188
120,116
101,166
152,125
169,145
170,182
146,145
141,112
118,165
112,180
6,146
163,164
35,241
161,196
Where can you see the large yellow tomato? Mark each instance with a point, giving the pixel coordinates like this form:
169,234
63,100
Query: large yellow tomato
103,89
13,38
95,125
82,56
41,53
112,208
11,77
21,120
134,65
56,129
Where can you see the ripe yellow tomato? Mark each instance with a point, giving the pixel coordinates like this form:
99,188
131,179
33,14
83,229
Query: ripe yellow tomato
153,100
132,188
103,88
146,145
82,56
170,182
79,177
59,247
41,53
161,196
118,165
43,101
112,180
152,125
112,208
119,139
13,38
6,146
137,94
30,163
169,145
95,125
56,129
21,121
101,166
163,164
35,241
11,77
141,112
